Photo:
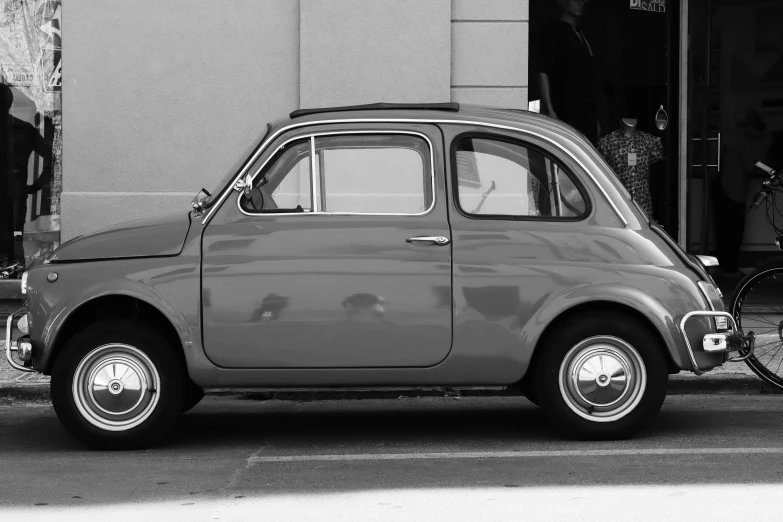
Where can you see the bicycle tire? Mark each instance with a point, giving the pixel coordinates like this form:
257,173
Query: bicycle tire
754,311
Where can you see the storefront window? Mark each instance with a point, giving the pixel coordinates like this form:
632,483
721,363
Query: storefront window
31,131
605,68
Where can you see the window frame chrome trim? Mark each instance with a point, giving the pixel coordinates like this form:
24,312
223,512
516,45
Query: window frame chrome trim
314,196
314,175
270,139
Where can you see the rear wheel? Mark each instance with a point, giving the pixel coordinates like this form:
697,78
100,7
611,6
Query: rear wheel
602,377
118,385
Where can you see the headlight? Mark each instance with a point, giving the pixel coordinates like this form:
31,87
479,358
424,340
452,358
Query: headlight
24,283
712,294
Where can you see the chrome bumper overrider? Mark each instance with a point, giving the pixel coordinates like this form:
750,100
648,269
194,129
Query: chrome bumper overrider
23,349
722,342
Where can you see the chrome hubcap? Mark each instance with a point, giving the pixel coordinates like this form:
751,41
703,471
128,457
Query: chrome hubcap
602,378
116,387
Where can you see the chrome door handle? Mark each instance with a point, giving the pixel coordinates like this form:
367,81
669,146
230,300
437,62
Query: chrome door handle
432,240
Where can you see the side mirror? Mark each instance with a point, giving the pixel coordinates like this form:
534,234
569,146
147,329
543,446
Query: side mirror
198,202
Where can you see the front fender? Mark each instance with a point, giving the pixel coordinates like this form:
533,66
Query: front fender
662,313
53,314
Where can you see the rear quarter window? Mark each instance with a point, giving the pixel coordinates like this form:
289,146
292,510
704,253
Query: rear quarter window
501,178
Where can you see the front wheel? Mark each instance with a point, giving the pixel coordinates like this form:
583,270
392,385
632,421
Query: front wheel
602,377
757,306
118,385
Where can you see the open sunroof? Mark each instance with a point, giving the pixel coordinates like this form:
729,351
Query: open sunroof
448,107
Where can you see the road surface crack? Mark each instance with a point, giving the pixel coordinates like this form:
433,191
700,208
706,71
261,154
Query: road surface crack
250,462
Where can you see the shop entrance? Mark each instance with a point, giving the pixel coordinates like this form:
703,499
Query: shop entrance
634,44
735,101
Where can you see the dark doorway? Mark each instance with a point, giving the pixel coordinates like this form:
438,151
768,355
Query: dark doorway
636,57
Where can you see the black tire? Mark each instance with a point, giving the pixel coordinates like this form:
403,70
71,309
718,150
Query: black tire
131,385
527,387
193,395
757,306
604,346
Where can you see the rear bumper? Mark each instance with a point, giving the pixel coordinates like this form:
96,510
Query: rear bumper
732,341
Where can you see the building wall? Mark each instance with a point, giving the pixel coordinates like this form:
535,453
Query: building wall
160,98
365,51
490,52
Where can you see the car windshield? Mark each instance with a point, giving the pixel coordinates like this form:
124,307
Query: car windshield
241,161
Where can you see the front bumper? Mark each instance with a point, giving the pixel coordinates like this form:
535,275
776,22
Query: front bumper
721,342
21,347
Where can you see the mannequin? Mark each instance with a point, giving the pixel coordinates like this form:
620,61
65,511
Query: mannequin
631,153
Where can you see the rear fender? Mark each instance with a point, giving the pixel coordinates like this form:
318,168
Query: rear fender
593,296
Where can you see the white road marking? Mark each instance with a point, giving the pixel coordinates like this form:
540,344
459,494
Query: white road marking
515,454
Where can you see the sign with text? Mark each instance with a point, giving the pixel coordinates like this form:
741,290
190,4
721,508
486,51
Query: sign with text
19,75
657,6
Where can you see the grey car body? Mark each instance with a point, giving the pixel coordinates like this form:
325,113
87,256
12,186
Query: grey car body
336,300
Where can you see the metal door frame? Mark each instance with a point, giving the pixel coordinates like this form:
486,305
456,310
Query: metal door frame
684,129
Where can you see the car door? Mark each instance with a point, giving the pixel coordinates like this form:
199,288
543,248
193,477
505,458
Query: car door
340,259
525,233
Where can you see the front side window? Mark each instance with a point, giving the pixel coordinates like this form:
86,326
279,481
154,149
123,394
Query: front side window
354,174
373,174
502,178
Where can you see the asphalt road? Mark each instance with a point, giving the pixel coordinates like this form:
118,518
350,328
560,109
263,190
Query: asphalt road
718,457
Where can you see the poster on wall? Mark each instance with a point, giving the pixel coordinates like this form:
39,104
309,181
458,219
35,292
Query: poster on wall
18,75
31,148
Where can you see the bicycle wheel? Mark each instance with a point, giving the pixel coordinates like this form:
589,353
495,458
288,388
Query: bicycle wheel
757,306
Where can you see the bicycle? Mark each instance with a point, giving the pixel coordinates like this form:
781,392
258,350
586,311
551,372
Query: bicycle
756,304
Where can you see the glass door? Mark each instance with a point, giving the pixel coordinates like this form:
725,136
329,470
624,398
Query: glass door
735,115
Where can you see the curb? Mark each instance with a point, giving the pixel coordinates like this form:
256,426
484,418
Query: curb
728,385
740,385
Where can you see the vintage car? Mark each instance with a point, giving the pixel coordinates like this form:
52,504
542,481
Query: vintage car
383,245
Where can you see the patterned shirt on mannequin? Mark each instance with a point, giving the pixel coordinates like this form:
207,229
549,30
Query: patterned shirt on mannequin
631,157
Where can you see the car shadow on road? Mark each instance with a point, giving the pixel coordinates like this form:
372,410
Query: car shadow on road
402,422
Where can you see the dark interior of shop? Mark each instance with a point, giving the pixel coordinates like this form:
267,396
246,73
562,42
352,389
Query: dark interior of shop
734,85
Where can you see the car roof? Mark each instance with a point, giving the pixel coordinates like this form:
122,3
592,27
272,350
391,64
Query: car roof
458,113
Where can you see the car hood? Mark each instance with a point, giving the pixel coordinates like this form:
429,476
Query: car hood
148,237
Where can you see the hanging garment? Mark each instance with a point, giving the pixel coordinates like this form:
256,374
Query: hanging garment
631,158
